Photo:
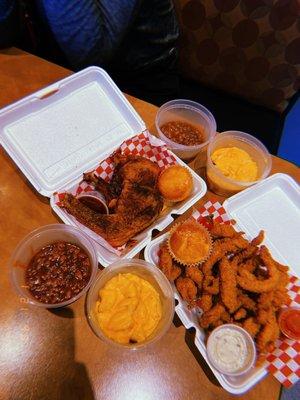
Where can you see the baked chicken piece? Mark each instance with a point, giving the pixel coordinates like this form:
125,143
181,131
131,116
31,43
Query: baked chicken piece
134,169
132,194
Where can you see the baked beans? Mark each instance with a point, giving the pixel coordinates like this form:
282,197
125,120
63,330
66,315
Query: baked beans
182,133
58,272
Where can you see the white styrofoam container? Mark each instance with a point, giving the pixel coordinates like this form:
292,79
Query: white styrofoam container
57,133
272,205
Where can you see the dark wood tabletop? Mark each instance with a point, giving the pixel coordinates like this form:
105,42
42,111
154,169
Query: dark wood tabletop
54,354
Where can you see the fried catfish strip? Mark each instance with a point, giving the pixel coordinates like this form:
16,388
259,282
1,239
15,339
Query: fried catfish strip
212,316
280,298
186,288
265,299
268,334
250,282
205,302
240,314
220,248
228,286
280,267
283,279
225,317
218,230
275,298
246,255
166,264
251,326
250,265
258,239
211,285
193,272
246,301
264,313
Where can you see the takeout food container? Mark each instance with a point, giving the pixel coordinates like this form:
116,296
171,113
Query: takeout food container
34,242
270,205
190,112
225,186
57,133
146,271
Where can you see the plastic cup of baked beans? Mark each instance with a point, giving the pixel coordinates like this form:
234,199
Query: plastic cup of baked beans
53,266
186,127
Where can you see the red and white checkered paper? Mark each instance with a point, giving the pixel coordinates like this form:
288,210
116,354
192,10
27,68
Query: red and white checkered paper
284,361
144,145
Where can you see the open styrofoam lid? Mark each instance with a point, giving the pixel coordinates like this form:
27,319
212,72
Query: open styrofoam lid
58,132
274,206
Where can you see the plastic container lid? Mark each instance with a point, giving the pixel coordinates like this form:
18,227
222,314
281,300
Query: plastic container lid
58,132
274,206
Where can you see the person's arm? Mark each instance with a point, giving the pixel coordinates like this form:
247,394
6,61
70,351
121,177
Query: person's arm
89,31
8,23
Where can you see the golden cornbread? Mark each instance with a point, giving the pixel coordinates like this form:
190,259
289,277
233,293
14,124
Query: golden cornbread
129,309
189,243
235,163
175,183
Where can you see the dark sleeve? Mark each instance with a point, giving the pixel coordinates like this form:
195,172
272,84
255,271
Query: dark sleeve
89,31
8,23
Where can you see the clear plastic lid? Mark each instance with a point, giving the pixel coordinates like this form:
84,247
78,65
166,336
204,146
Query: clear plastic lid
58,132
274,206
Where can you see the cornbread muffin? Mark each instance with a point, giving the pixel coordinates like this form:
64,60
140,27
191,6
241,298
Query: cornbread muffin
189,243
175,183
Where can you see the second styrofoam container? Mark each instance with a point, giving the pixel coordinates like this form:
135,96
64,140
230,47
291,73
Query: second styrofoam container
272,205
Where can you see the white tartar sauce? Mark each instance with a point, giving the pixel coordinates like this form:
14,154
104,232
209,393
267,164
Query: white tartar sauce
228,349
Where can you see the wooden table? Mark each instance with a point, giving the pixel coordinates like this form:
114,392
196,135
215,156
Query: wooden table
54,354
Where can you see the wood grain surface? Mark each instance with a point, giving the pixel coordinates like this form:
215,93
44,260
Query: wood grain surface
47,355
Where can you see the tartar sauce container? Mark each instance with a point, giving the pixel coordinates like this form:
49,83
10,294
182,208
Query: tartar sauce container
231,350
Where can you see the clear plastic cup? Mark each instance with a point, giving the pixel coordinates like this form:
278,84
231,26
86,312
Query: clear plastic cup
250,346
146,271
288,316
95,200
34,242
224,186
190,112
